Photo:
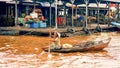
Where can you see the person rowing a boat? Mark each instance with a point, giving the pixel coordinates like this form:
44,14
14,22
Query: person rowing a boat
56,40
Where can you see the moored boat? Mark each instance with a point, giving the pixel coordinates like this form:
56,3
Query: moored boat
116,24
84,46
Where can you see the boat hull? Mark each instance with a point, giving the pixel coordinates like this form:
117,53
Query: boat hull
78,48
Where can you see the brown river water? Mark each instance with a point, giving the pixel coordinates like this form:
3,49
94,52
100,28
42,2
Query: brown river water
26,52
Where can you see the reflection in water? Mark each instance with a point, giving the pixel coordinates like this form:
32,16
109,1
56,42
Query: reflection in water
16,53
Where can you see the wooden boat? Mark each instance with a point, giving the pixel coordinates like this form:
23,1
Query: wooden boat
86,46
116,24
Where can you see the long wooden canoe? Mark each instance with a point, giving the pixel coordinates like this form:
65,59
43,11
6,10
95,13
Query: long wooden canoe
86,46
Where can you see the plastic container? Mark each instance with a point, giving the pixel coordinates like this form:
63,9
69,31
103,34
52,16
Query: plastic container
43,25
34,25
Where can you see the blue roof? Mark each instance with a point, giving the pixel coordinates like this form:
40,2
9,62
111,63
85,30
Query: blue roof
82,1
114,1
92,1
78,1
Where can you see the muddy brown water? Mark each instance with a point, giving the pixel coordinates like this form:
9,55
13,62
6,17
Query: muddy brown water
26,52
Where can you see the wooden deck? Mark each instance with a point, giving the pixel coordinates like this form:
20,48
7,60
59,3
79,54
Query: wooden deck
45,31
